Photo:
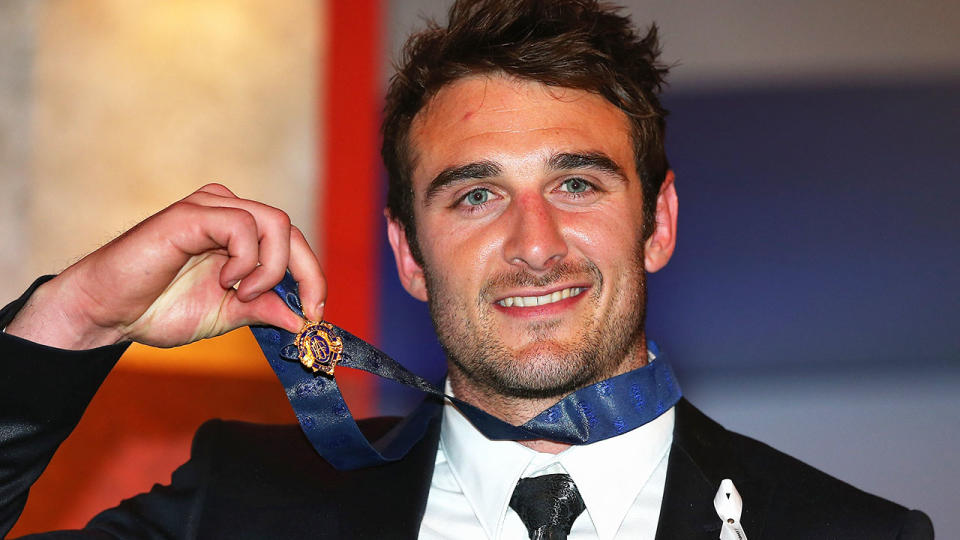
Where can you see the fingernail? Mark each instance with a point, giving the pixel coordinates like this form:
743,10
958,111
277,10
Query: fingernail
233,284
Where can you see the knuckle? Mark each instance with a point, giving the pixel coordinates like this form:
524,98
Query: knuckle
248,219
281,217
240,217
214,187
181,208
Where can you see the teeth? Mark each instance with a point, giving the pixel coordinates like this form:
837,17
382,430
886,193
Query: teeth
532,301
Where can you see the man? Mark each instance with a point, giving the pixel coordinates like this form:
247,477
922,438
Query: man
529,195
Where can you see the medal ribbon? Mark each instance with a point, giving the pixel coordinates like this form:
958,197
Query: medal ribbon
593,413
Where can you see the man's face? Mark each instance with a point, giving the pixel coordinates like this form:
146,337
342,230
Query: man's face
529,218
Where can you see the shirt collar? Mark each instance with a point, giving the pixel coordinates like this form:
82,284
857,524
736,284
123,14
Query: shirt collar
609,474
486,470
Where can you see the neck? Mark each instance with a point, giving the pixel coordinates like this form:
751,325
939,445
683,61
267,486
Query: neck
519,410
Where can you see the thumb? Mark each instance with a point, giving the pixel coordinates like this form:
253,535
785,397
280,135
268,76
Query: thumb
266,308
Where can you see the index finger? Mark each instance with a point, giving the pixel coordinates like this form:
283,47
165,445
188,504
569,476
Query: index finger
306,269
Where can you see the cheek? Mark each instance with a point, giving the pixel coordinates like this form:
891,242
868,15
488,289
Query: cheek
461,253
605,236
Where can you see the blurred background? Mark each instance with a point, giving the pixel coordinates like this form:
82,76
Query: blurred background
813,301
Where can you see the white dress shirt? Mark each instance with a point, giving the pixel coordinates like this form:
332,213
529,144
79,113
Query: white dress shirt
621,480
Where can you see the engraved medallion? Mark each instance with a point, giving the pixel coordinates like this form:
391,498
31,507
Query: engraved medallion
318,348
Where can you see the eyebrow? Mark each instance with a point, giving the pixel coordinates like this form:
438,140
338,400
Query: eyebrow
488,169
452,175
586,160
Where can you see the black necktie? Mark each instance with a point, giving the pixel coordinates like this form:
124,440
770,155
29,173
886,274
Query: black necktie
547,505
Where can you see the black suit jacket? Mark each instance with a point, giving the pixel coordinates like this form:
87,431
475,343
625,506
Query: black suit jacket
257,481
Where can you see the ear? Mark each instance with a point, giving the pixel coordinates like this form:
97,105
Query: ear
659,247
409,271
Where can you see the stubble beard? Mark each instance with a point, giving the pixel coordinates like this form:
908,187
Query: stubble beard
547,367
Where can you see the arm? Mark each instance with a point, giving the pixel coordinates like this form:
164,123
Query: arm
43,393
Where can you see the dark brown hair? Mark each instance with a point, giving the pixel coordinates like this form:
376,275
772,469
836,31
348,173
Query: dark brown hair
580,44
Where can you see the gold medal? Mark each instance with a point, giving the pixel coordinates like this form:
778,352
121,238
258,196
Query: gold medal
318,348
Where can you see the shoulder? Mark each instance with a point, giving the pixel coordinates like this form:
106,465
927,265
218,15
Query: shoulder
267,459
795,494
232,431
804,494
277,454
254,477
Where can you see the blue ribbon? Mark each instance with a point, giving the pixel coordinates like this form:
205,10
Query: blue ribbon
594,413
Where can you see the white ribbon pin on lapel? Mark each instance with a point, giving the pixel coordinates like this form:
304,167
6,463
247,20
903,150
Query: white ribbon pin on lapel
729,506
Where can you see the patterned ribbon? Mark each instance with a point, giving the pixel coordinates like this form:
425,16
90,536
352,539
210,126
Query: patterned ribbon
594,413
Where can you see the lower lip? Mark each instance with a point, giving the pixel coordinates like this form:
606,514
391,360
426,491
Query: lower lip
552,308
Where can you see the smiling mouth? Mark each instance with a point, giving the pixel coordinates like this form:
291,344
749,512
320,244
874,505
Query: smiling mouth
533,301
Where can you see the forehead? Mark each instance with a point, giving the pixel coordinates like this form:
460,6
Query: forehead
504,119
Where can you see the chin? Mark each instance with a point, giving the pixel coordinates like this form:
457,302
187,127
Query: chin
539,370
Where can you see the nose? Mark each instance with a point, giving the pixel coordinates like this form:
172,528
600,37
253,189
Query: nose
535,239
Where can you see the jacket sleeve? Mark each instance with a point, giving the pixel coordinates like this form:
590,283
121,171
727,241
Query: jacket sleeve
43,393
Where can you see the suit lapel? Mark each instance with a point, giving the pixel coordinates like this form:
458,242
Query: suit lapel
700,458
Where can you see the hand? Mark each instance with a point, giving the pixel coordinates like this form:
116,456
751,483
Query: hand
173,278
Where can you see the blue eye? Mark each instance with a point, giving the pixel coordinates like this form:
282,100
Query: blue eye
477,197
575,185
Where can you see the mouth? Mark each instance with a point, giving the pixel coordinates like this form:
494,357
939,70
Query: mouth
541,300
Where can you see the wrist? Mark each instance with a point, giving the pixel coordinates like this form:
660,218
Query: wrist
53,316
